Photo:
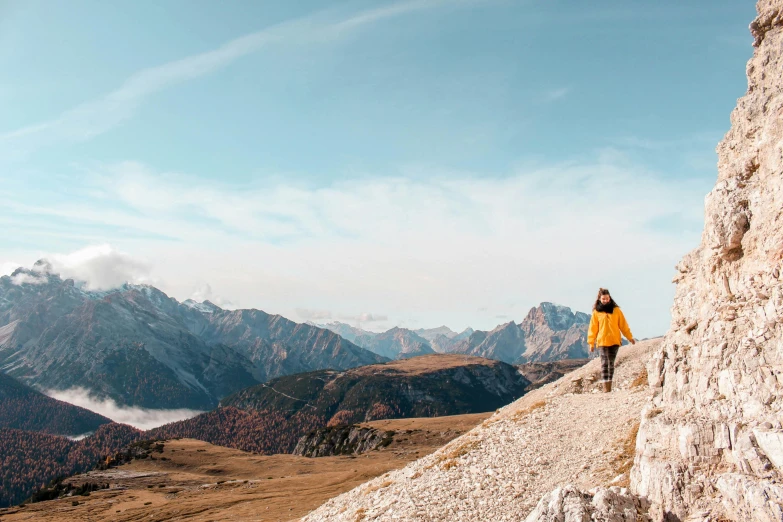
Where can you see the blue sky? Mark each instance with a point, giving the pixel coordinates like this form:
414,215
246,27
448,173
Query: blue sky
409,163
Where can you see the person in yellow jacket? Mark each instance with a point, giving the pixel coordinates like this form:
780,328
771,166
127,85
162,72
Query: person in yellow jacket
606,325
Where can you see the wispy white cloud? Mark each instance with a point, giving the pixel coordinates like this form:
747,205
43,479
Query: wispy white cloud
306,314
365,317
141,418
95,117
556,94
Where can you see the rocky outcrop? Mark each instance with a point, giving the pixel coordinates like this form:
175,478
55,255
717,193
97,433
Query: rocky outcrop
341,440
710,444
569,504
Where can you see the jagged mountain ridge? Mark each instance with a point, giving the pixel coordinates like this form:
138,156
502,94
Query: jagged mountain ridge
549,332
138,346
397,343
442,343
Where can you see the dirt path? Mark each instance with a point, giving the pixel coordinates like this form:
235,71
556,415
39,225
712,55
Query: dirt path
566,432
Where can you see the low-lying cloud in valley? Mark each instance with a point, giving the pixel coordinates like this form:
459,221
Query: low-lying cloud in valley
141,418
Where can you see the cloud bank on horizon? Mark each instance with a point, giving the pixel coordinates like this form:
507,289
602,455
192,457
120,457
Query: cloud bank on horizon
425,249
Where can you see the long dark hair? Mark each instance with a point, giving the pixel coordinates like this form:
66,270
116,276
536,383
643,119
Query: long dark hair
604,291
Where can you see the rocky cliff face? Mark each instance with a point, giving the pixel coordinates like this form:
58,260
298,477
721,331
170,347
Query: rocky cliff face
341,440
711,444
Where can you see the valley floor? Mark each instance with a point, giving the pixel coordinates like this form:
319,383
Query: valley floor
200,482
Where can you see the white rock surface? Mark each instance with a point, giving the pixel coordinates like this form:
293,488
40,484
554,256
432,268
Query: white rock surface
569,504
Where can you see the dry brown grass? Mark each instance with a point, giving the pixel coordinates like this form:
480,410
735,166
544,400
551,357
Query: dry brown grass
376,487
422,364
280,487
624,461
448,459
641,379
530,409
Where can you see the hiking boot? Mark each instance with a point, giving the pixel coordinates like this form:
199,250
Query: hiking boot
607,387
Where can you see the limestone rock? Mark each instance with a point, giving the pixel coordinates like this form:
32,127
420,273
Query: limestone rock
720,382
710,446
569,504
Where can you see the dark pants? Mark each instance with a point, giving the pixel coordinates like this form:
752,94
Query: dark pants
608,355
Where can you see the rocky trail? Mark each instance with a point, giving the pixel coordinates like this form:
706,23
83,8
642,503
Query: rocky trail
565,432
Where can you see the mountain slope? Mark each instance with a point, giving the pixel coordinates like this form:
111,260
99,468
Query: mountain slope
30,458
138,346
541,373
445,343
271,417
426,386
23,408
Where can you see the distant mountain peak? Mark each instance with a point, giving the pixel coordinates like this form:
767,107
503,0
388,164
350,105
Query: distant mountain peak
43,265
205,307
556,317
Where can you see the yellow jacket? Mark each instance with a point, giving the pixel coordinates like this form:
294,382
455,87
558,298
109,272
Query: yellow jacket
605,328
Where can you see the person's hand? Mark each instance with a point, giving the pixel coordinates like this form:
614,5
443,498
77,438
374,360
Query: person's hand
592,348
633,341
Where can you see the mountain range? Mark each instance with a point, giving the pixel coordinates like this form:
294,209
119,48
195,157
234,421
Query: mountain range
549,332
267,418
138,346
